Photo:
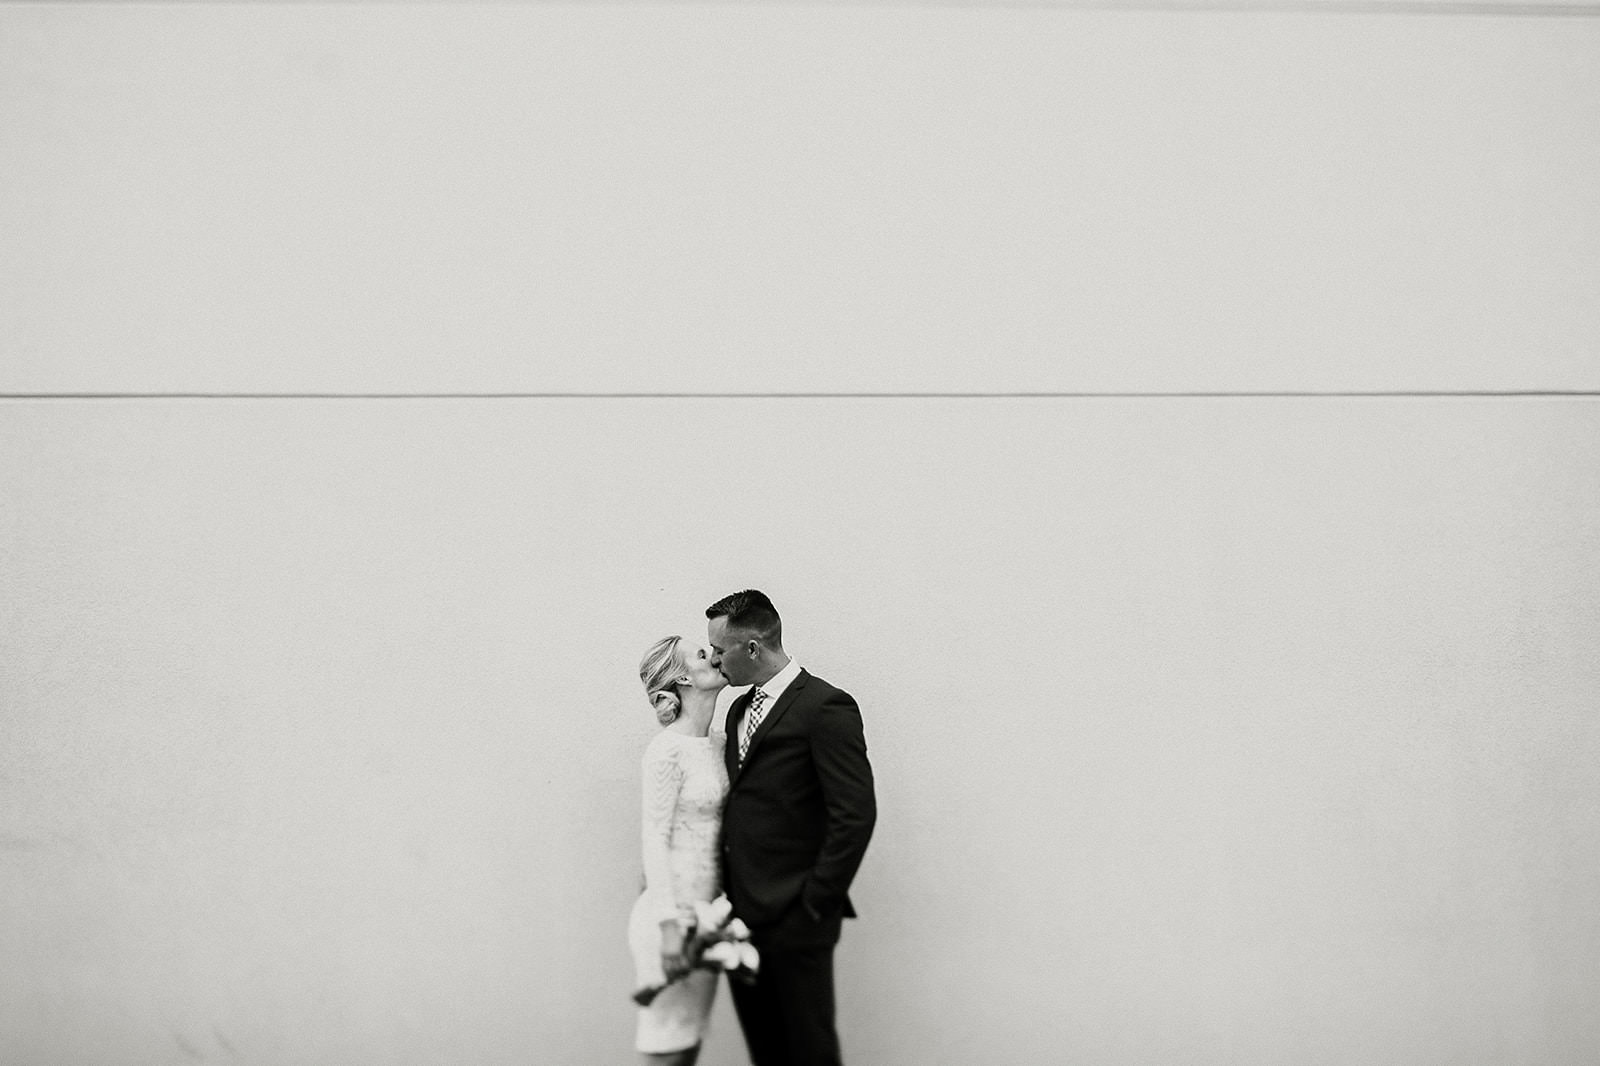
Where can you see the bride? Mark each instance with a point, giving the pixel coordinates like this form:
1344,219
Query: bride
685,783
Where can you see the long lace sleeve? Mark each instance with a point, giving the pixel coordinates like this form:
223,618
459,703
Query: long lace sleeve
663,779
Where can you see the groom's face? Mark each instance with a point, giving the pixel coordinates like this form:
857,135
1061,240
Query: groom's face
730,652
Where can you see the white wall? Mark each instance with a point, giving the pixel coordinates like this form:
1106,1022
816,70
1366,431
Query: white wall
1211,730
1207,730
672,197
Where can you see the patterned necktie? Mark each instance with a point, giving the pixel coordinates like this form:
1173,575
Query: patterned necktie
752,718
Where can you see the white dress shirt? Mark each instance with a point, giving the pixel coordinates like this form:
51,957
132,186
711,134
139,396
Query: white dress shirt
779,681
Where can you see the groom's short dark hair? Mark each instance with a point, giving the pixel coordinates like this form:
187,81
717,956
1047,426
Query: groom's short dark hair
750,610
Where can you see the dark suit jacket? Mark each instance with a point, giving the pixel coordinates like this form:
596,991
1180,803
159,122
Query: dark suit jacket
799,814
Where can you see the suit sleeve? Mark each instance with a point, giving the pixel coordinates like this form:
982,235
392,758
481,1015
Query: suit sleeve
839,753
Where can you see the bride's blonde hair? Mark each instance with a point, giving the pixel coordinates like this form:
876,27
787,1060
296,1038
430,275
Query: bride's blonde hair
660,669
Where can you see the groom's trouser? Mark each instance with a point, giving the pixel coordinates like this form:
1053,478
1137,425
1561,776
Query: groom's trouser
788,1015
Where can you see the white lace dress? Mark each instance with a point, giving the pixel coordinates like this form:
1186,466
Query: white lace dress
685,784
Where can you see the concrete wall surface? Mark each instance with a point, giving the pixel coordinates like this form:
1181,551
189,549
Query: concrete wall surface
1208,729
268,197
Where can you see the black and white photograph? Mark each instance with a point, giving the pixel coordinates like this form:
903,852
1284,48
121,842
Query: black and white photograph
800,533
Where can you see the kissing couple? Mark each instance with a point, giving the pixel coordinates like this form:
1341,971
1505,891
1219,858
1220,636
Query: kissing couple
774,814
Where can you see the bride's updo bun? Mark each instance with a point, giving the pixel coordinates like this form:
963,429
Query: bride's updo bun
660,670
667,706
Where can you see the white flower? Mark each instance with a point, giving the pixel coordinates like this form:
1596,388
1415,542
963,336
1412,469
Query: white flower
749,957
723,954
737,930
721,909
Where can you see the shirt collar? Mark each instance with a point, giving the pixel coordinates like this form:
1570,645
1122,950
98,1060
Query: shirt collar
779,681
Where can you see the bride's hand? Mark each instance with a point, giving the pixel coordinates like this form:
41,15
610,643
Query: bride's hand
674,954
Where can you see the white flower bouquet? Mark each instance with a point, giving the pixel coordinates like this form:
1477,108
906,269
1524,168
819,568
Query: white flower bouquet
717,941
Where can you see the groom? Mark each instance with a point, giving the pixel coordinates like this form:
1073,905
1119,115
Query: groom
799,814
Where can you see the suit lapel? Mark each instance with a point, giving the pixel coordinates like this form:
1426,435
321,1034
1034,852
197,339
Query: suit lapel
774,712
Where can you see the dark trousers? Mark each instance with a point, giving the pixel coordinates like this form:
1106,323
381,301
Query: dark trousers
788,1015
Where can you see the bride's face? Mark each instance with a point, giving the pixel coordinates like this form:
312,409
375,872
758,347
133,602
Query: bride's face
697,664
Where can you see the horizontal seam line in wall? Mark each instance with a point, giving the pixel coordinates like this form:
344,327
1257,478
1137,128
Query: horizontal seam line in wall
1452,8
1222,395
